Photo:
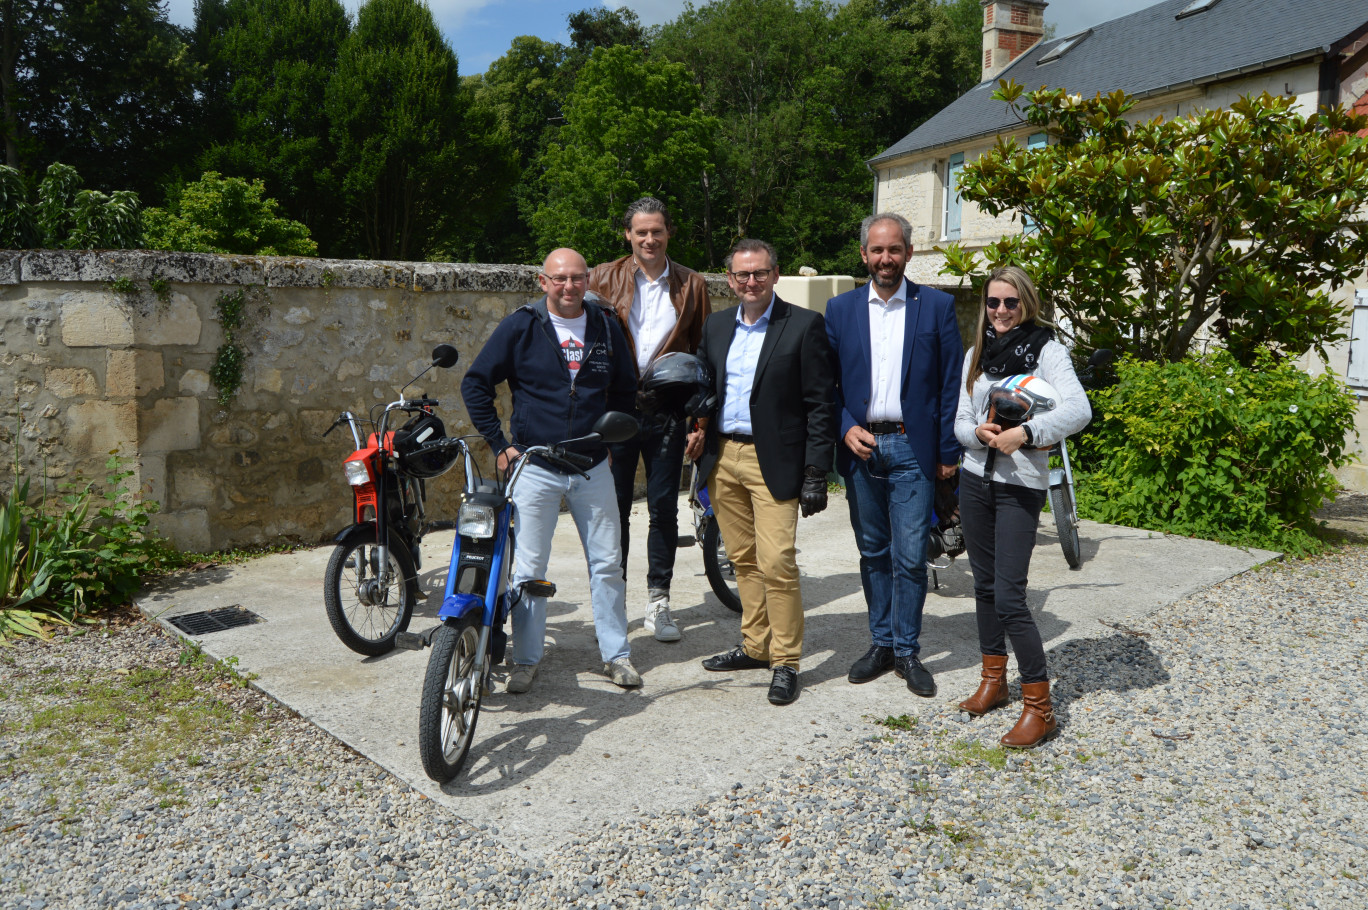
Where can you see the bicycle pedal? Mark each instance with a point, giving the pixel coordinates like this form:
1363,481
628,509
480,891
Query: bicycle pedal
539,588
683,542
410,641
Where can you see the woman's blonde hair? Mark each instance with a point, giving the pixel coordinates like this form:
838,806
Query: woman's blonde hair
1029,308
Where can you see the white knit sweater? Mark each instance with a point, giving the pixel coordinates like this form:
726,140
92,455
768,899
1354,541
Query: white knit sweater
1024,467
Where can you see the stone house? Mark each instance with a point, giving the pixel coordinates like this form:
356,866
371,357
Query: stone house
1175,57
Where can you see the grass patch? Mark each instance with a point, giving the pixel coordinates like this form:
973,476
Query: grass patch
971,751
902,722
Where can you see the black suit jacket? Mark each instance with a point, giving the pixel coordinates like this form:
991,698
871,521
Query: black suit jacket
792,405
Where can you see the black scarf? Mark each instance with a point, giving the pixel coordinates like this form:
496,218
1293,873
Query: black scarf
1016,351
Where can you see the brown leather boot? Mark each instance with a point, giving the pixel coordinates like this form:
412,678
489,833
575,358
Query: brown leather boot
1037,722
992,691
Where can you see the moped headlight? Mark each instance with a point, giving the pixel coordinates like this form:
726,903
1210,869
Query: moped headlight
357,473
475,520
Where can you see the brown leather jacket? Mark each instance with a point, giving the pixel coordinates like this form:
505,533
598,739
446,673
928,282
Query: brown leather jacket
615,283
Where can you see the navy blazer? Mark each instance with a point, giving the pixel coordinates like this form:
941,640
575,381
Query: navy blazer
932,359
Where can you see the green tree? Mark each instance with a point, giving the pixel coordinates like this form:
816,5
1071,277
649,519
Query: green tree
272,60
632,128
417,170
1246,218
218,214
105,86
803,93
61,215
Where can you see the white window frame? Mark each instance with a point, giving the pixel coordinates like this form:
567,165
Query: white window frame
1356,367
953,166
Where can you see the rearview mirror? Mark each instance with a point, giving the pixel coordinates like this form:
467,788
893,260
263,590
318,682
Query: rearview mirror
445,356
1101,357
615,426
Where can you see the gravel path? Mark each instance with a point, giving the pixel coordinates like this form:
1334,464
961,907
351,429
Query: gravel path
1212,756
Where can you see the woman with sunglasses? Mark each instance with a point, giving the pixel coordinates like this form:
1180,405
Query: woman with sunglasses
1003,487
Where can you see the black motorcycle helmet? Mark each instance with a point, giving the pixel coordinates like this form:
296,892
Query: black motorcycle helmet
678,385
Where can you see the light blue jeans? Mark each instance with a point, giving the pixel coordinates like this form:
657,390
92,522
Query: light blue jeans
594,507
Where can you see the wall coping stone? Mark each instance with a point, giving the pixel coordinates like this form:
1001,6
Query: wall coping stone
103,266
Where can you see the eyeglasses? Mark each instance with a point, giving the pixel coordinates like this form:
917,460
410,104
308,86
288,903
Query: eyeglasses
559,280
1011,303
745,277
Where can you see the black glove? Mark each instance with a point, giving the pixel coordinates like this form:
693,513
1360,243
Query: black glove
813,499
647,402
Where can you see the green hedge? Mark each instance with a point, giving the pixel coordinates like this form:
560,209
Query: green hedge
1207,448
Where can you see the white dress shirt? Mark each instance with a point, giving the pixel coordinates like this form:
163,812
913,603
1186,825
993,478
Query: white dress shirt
887,325
653,316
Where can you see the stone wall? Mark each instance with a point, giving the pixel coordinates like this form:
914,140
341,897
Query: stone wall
111,351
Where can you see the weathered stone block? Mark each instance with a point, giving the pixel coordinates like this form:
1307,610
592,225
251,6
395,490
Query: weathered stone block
171,425
188,529
131,373
191,486
194,382
69,382
178,322
95,428
92,319
267,380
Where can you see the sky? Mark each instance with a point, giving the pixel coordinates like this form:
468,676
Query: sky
482,30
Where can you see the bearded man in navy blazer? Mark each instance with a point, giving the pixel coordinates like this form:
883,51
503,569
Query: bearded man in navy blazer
898,355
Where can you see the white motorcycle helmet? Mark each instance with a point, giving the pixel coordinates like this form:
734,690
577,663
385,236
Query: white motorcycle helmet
1016,399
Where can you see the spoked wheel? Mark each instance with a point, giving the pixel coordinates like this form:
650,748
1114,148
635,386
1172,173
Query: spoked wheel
451,699
721,574
1065,513
367,607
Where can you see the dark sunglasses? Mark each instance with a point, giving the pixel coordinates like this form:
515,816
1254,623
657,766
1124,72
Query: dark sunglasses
1011,303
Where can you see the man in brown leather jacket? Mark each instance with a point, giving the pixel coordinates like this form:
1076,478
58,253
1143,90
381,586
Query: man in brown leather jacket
662,306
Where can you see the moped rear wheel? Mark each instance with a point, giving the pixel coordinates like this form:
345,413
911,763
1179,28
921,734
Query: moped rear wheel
366,609
452,692
718,568
1065,513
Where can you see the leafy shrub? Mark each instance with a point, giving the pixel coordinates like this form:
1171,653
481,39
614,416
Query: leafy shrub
1206,448
61,216
218,214
91,552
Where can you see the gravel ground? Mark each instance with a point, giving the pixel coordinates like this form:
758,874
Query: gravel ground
1212,756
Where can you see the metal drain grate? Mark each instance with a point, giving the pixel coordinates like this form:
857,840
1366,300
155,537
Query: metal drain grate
207,621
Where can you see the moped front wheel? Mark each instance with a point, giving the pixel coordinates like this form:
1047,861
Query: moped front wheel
1065,512
367,607
452,692
718,568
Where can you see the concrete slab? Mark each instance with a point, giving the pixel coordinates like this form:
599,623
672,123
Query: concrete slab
578,753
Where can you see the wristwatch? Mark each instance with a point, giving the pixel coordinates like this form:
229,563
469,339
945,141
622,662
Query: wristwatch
1030,437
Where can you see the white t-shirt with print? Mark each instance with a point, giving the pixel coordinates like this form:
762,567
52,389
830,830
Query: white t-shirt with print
570,333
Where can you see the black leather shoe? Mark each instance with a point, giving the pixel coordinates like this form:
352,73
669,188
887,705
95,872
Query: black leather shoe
784,687
877,661
736,659
919,679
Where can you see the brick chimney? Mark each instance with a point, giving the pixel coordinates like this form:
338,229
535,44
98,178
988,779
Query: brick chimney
1010,28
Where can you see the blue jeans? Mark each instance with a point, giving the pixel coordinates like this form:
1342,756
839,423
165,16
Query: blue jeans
890,509
593,506
661,446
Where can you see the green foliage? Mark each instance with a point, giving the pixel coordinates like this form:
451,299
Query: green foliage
802,92
226,371
90,552
218,214
1247,219
106,86
632,129
62,216
416,169
1209,448
276,58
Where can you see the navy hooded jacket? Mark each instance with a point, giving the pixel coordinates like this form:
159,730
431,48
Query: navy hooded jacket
549,406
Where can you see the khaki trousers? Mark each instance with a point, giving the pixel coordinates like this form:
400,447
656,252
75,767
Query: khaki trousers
759,532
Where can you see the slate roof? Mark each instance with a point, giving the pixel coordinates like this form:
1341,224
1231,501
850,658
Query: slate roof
1148,51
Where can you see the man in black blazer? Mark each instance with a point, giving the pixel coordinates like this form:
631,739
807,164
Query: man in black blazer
766,451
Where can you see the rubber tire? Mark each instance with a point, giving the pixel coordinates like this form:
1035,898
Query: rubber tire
1066,523
454,648
366,637
713,559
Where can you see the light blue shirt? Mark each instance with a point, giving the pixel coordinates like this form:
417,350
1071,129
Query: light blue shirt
742,358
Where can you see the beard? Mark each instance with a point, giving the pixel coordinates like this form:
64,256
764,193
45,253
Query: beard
890,282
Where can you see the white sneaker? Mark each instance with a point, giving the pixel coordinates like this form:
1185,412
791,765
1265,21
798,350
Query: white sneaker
659,622
623,673
520,680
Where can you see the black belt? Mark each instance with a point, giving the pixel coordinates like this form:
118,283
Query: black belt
743,438
886,427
